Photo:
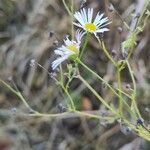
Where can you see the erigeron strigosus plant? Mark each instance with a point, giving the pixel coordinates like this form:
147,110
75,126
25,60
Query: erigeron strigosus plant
74,48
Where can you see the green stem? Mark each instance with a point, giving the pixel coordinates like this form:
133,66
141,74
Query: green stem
136,30
69,96
92,115
126,25
17,93
142,14
100,78
84,45
69,80
120,89
133,104
71,114
127,95
97,95
108,85
61,75
105,51
67,8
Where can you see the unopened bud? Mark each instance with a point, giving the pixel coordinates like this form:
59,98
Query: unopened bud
147,109
51,34
137,15
55,43
83,4
114,53
32,62
140,121
61,108
119,29
14,110
128,86
104,85
10,78
125,129
111,8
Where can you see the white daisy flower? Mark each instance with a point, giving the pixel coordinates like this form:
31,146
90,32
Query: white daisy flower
84,17
69,48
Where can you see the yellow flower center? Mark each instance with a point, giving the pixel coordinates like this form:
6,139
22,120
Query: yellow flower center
73,48
90,27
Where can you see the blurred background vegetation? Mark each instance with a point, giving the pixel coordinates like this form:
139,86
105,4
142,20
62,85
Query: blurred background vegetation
26,27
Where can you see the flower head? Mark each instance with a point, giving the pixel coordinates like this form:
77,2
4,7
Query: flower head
69,48
86,22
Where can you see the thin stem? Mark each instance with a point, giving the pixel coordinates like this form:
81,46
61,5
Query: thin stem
38,114
69,80
61,75
67,8
127,95
145,21
48,115
142,14
136,30
105,51
17,93
92,115
130,53
107,84
43,68
84,45
72,113
133,104
97,95
100,78
126,25
60,83
120,89
69,96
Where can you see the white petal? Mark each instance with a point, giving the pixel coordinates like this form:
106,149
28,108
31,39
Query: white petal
79,35
58,61
68,52
90,15
102,30
98,18
59,52
77,24
84,15
67,41
102,21
105,24
63,50
80,18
